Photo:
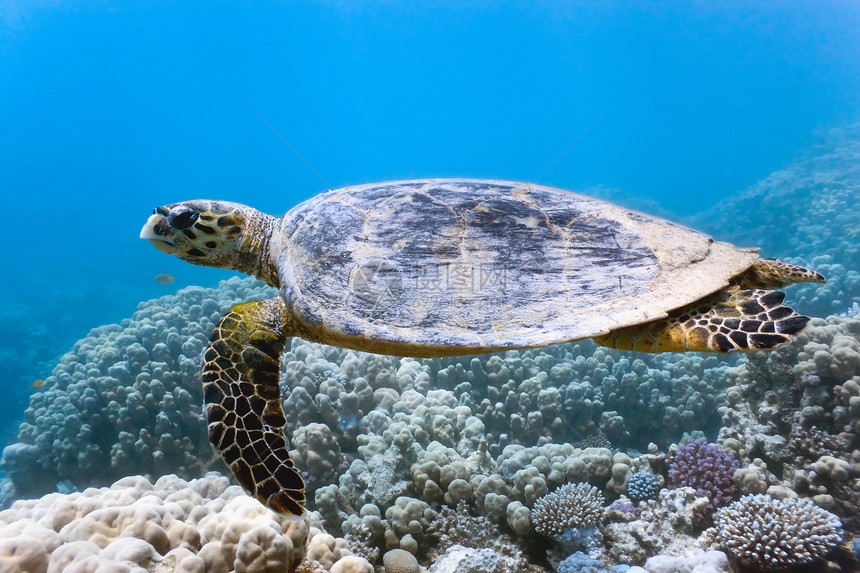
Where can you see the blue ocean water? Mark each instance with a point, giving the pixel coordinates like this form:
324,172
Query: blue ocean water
109,110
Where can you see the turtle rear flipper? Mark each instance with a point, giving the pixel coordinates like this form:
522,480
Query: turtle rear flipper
731,319
243,403
771,274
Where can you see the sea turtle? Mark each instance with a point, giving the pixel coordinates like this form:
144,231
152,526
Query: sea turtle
444,267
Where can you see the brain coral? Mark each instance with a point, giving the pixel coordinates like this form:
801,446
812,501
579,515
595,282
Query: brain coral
571,505
400,561
774,533
707,468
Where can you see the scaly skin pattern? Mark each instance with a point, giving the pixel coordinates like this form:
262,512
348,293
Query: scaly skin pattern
735,318
771,274
243,403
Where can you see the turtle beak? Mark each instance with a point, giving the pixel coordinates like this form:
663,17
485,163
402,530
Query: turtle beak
157,231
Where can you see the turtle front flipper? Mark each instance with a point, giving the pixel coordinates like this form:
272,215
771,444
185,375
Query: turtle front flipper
243,402
731,319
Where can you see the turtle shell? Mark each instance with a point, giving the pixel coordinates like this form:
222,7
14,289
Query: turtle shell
453,266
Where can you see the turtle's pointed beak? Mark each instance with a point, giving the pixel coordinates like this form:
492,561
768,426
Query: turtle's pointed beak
158,232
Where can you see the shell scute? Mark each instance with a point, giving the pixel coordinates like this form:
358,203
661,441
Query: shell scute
433,267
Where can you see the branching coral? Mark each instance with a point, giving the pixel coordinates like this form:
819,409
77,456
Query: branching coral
707,468
774,533
571,505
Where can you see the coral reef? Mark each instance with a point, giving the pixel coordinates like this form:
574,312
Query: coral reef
457,527
774,533
699,562
204,524
459,559
570,506
707,468
581,563
665,525
797,411
388,445
126,399
642,486
494,462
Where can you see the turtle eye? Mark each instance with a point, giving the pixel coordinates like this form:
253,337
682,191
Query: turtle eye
183,219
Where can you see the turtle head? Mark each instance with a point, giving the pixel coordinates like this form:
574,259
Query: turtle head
214,234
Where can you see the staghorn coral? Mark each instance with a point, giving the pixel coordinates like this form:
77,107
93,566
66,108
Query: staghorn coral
772,533
707,468
570,506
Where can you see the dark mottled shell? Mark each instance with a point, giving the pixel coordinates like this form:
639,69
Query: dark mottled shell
451,266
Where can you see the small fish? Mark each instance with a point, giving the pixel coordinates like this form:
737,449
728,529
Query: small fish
164,279
38,384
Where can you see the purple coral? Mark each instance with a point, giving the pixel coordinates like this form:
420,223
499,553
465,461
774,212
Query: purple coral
623,507
707,468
